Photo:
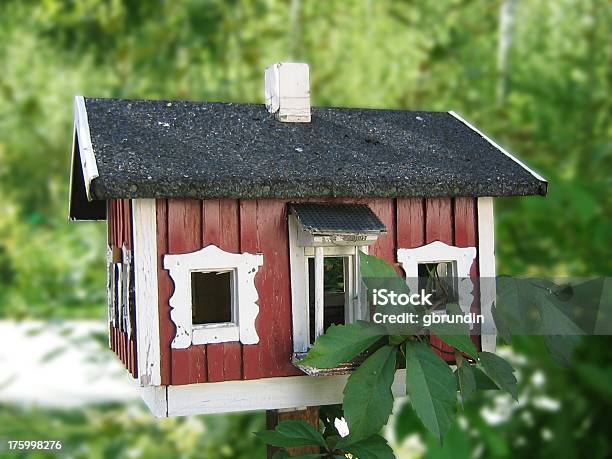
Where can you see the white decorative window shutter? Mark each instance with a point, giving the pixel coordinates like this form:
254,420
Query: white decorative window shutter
212,258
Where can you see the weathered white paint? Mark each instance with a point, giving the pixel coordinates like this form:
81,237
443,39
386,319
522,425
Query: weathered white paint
299,290
126,275
156,399
211,258
509,155
144,224
319,291
437,252
287,91
88,159
486,258
263,394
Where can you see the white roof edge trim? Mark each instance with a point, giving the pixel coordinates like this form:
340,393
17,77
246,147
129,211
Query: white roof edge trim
88,159
509,155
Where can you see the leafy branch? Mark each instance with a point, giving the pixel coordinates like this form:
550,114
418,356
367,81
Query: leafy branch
436,392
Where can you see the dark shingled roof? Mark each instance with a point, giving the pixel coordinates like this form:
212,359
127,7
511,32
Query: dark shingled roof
337,218
147,149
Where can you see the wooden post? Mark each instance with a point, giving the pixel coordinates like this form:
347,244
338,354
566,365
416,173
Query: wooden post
309,414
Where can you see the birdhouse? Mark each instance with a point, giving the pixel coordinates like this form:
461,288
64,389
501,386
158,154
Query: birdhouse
234,231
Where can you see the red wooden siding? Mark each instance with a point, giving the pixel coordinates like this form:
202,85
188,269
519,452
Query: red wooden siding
119,224
260,226
449,220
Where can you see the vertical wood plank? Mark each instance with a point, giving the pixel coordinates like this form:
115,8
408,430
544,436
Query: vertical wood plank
232,361
274,290
181,367
211,234
410,223
439,220
128,224
165,288
221,227
146,290
184,235
384,246
229,217
215,355
439,227
249,242
198,365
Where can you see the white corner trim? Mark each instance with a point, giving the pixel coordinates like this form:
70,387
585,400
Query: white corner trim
212,258
488,139
435,252
88,159
486,258
145,278
263,394
156,399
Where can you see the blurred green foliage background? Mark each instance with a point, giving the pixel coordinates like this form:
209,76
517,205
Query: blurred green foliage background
533,74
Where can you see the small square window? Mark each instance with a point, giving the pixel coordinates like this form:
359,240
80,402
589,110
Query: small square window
211,297
440,280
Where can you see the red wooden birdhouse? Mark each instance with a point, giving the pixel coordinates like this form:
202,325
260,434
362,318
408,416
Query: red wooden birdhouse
234,230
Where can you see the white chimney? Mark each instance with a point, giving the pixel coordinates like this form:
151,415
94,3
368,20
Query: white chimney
287,91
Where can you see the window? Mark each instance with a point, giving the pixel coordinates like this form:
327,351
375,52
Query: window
440,269
335,295
324,244
338,296
214,299
440,280
211,297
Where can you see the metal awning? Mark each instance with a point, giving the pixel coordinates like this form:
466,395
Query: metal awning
334,219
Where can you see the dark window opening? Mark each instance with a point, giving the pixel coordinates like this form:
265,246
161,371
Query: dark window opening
211,297
333,293
439,279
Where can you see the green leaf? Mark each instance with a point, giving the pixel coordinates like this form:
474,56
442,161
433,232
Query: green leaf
483,382
556,318
374,447
407,423
561,348
432,388
375,267
456,445
500,371
457,336
368,400
289,434
467,381
377,273
341,343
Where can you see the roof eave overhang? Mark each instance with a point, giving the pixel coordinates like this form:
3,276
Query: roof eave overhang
82,205
543,188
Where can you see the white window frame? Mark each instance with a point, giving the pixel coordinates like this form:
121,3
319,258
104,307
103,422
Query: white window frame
439,252
299,255
244,267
